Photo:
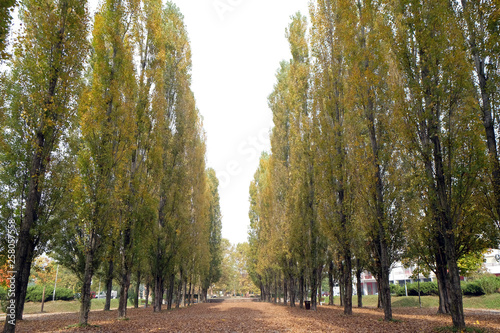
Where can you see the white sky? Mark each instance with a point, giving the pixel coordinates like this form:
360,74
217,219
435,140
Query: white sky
237,46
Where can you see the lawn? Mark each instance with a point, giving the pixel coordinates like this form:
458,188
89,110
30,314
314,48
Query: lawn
67,306
477,302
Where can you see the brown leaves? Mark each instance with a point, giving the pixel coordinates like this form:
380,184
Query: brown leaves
257,317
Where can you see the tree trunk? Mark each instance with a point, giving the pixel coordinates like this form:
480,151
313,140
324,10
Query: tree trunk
158,290
275,288
453,285
444,303
109,285
301,290
87,281
184,292
347,282
330,282
43,298
314,288
170,291
285,291
124,286
189,293
359,287
137,288
147,294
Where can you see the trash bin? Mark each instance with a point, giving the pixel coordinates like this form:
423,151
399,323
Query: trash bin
308,305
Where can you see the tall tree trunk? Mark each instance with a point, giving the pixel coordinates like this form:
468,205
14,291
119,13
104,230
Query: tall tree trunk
158,290
147,294
330,282
285,290
137,288
190,292
314,288
444,301
275,288
126,269
301,290
109,284
347,282
124,286
170,291
292,291
87,281
359,286
183,284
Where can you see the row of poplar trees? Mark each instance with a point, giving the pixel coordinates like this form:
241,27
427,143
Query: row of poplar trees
103,151
384,148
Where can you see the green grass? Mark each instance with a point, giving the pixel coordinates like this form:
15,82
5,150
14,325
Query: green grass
470,302
68,306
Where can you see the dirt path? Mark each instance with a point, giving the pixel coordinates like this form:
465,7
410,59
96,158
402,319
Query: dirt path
255,317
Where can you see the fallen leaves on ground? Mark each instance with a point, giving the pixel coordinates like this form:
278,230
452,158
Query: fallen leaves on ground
256,317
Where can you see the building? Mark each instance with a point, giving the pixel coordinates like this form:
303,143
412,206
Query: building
401,275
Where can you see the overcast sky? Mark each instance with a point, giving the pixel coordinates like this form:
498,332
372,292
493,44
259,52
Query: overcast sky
237,46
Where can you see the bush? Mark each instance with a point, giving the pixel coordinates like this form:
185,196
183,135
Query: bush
426,289
483,286
396,289
472,289
34,294
489,284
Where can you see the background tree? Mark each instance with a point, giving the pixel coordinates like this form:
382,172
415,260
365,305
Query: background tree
215,228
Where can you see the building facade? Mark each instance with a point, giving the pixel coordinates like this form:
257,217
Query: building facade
401,275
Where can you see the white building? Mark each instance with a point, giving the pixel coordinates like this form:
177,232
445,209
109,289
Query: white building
401,275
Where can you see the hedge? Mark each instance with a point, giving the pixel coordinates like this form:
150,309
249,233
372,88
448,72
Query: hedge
34,294
483,286
426,289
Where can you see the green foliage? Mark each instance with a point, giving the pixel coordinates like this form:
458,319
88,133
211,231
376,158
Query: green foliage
426,289
483,286
34,294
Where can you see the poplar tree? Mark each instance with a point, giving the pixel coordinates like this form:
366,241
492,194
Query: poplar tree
106,123
442,133
335,211
214,233
39,108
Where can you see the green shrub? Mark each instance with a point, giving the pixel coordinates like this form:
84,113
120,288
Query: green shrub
489,284
34,294
485,285
472,289
426,289
396,289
